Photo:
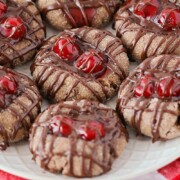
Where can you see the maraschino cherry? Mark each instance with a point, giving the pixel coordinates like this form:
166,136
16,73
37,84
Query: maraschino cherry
90,62
67,48
12,27
146,8
164,88
91,130
3,8
169,18
78,16
145,88
61,125
8,84
168,87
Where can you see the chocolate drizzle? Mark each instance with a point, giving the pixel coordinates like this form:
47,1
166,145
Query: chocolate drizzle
169,42
51,63
20,111
82,5
161,69
82,112
8,47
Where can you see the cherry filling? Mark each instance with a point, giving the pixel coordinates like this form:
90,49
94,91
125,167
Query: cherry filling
169,18
67,48
91,62
91,130
78,17
8,86
64,126
12,27
168,87
3,8
61,125
164,88
146,8
145,88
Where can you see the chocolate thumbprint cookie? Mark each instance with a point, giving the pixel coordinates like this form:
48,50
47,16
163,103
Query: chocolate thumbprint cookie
77,138
83,63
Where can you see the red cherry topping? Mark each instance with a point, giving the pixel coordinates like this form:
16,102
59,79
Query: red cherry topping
145,88
91,131
79,18
8,84
12,27
168,87
147,8
3,8
67,48
169,19
61,125
90,62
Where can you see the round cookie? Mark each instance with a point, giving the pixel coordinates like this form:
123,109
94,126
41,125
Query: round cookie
21,32
149,28
77,138
19,103
149,99
66,14
83,63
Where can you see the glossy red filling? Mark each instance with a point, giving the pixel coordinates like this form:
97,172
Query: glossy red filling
80,18
12,27
166,17
165,87
8,87
89,61
88,131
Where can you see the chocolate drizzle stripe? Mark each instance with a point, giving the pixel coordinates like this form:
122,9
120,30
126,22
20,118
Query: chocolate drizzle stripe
142,104
62,78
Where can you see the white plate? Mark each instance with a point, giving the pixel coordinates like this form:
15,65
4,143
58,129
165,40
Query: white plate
140,156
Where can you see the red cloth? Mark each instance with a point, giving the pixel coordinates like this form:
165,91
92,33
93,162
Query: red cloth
7,176
171,172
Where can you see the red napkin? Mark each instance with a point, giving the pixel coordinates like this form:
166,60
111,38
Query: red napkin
7,176
170,172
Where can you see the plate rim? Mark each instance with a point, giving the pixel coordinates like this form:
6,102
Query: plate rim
22,174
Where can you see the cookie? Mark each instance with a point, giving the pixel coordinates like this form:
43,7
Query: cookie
149,99
83,63
19,103
77,138
21,32
66,14
149,28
